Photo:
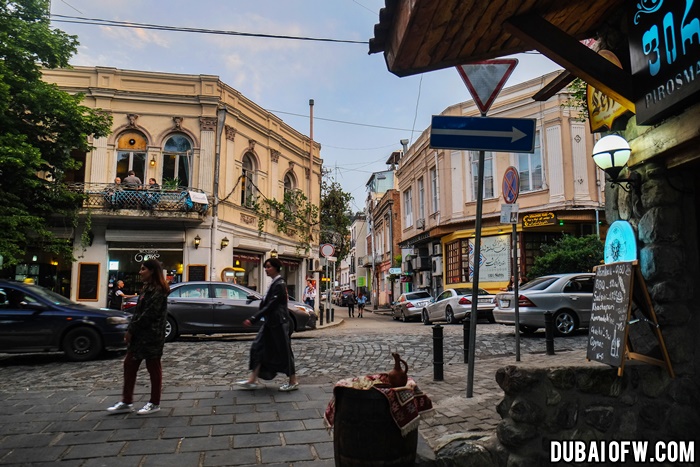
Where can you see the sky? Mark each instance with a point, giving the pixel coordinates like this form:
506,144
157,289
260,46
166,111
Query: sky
361,110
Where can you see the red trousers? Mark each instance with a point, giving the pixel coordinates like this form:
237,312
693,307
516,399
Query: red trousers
131,368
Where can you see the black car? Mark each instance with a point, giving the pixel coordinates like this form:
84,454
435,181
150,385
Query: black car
201,307
34,319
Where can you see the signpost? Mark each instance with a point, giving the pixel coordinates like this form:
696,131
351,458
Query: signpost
483,134
511,191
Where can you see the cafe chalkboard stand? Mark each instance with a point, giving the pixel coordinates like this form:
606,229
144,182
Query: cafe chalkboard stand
623,323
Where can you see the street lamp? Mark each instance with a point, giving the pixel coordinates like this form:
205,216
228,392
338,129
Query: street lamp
611,153
224,242
197,241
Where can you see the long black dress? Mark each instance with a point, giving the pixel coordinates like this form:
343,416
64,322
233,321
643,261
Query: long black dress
272,348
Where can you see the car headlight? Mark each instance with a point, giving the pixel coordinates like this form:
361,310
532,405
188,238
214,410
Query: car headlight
303,309
117,320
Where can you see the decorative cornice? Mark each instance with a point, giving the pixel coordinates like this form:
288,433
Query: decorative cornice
251,144
247,219
291,165
230,132
207,123
275,155
178,123
132,120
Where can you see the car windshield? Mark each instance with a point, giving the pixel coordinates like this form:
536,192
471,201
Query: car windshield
467,291
50,296
540,283
417,295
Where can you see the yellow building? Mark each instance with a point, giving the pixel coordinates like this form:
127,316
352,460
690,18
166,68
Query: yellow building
213,152
559,186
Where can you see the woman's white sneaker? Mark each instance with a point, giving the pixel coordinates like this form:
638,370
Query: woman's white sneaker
149,408
121,407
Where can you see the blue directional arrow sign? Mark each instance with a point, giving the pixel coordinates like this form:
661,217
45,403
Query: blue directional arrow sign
483,133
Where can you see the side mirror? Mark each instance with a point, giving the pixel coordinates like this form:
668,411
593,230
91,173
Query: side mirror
251,297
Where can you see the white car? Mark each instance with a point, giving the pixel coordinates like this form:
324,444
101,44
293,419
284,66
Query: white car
454,304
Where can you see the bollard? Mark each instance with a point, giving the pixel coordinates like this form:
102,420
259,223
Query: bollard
438,354
466,329
332,315
320,314
549,332
328,315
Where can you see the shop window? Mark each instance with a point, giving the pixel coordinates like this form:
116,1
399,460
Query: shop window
454,262
131,154
177,161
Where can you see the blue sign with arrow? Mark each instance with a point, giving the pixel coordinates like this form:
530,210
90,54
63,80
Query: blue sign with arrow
483,133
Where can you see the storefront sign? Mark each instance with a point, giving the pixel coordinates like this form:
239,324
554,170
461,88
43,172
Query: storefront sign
664,42
144,255
539,219
602,109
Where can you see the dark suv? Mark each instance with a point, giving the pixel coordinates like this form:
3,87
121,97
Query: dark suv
35,319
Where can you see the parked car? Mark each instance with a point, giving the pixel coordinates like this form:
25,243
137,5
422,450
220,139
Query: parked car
453,305
201,307
568,296
409,305
35,319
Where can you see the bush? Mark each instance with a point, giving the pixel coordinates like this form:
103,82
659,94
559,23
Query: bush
568,254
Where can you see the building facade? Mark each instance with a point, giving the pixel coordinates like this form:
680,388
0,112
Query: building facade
215,155
560,192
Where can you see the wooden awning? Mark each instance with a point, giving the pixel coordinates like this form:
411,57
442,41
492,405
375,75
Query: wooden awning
424,35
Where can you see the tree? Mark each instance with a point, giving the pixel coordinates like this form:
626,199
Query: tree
293,216
336,218
40,127
568,254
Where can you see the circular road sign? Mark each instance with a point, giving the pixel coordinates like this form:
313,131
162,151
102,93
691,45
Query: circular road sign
511,185
327,250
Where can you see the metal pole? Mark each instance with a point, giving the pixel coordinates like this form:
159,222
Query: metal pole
438,354
516,281
220,120
475,282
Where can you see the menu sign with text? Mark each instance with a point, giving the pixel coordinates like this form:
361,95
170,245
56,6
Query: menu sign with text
610,312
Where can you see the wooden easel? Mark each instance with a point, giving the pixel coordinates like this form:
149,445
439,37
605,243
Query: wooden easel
647,309
620,289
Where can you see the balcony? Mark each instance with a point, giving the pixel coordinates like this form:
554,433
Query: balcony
178,202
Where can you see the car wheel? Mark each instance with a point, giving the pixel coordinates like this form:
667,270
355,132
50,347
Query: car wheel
450,316
564,323
424,315
528,329
170,329
82,344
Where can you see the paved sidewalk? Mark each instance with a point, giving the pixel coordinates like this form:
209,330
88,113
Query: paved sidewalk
220,425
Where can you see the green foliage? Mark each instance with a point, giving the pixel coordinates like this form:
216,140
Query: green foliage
568,254
171,183
578,100
40,126
293,216
336,218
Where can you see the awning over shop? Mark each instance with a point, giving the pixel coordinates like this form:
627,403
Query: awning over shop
160,236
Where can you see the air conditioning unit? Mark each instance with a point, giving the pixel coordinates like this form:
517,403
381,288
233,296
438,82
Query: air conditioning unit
314,264
425,280
437,249
437,266
421,263
420,223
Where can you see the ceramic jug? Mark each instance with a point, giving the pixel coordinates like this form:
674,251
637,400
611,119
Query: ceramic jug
398,376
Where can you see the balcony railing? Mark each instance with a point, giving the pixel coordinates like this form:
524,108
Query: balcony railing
108,197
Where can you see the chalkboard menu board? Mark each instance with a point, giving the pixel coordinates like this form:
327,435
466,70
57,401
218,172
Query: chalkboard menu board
88,281
197,272
609,316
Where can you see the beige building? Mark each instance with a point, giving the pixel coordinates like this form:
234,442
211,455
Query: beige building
559,185
213,153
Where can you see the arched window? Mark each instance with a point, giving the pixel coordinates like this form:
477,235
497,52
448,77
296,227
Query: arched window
177,161
289,182
131,154
289,187
248,180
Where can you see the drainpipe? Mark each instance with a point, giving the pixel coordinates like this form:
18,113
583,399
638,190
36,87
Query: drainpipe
221,118
437,186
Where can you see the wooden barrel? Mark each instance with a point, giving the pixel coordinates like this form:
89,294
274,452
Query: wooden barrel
365,434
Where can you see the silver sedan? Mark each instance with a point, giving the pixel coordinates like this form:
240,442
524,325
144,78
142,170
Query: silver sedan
569,297
453,305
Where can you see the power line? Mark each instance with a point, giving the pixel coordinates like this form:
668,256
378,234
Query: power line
342,121
159,27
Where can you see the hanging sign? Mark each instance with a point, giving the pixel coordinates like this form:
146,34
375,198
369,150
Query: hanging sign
603,110
539,219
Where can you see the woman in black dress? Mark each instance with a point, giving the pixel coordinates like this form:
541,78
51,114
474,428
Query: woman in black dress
271,352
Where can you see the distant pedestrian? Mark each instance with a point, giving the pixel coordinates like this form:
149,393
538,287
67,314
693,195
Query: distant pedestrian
145,339
117,296
271,351
351,299
309,295
361,301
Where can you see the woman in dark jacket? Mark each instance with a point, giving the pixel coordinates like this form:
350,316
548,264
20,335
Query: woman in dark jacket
145,339
271,352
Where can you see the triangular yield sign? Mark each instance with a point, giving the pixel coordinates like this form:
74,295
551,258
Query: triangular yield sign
485,79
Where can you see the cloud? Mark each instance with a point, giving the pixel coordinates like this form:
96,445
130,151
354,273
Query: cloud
137,38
